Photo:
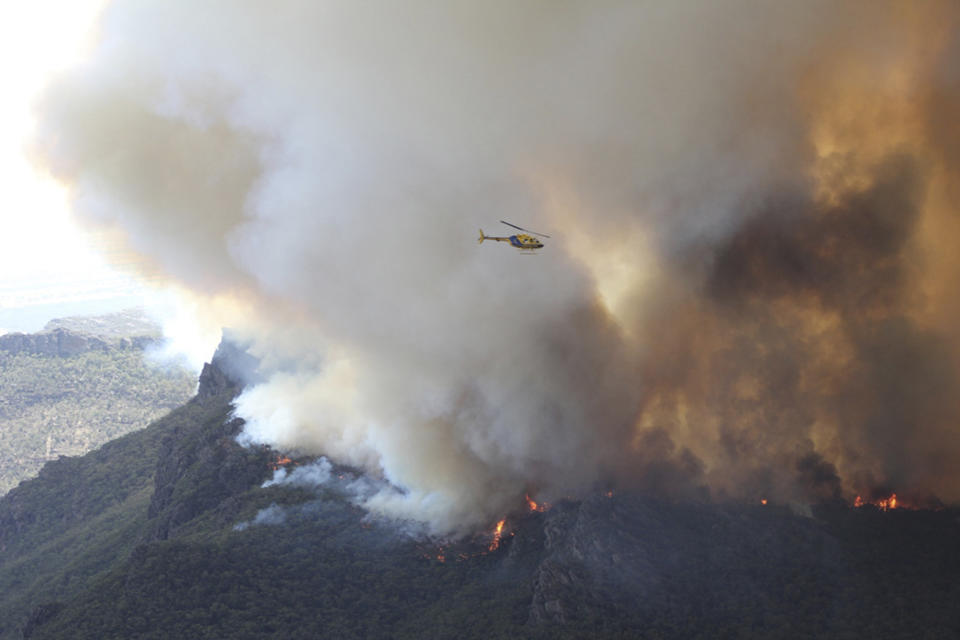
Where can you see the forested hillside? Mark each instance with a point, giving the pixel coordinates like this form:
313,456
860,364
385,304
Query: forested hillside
66,393
170,532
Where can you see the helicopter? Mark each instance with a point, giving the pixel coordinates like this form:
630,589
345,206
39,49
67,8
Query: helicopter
521,241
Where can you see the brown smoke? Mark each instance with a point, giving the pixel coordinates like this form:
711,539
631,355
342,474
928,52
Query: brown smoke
749,291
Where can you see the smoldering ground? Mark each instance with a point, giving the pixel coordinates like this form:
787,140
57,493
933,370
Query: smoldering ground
749,287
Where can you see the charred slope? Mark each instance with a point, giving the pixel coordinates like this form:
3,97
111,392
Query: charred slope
167,533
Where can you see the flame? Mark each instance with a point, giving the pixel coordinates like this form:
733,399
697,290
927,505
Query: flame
763,501
884,504
280,461
888,503
534,506
497,532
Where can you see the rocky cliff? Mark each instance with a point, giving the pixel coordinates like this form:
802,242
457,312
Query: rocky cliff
201,466
64,343
121,324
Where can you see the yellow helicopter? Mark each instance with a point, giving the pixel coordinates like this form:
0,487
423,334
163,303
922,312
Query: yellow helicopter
522,241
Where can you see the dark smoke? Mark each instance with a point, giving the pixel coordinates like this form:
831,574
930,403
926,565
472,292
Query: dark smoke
750,291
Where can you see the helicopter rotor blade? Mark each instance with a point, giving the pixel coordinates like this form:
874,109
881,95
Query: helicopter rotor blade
509,224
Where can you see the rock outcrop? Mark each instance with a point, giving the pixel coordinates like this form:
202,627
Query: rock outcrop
200,464
61,343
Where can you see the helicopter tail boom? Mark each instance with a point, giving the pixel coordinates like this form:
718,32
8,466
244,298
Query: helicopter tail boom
484,236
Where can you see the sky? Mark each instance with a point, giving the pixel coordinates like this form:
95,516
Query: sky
49,265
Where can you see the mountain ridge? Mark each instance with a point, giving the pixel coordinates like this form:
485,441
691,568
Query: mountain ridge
191,543
64,343
64,393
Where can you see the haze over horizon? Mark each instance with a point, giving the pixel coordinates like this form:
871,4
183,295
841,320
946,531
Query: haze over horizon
49,265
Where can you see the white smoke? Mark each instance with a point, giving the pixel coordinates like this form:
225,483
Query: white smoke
358,489
320,170
311,475
273,515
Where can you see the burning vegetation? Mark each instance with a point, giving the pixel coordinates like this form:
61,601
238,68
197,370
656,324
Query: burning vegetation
884,504
532,505
281,462
497,536
469,548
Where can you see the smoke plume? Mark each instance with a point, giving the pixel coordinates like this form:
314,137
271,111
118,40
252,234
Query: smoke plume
749,289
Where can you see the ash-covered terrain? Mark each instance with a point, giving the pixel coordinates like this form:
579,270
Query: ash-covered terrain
178,531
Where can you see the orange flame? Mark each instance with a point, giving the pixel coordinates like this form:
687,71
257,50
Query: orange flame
888,503
280,462
763,501
497,532
884,504
541,507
